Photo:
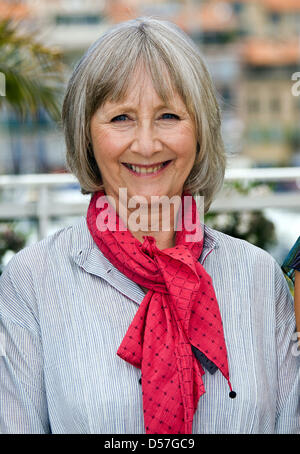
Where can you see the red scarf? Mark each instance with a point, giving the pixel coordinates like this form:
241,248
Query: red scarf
179,313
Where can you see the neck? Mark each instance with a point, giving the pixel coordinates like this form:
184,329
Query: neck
153,219
164,240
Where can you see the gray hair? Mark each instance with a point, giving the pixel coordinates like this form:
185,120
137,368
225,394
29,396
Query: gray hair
103,74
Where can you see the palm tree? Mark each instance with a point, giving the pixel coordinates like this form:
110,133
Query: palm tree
33,73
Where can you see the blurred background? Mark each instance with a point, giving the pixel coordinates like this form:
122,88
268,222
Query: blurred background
252,50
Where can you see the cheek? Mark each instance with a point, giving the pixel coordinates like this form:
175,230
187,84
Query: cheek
185,141
186,149
105,145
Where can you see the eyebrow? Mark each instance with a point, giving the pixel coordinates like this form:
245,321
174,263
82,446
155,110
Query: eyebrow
128,108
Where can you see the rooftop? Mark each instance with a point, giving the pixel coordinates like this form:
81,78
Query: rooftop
214,16
263,52
282,5
13,10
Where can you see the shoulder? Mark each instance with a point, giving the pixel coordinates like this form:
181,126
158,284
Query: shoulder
27,271
34,259
236,249
251,264
250,267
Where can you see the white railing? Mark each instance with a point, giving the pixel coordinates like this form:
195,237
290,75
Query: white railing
260,198
41,197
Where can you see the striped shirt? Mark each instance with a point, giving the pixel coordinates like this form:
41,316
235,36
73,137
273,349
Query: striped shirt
64,310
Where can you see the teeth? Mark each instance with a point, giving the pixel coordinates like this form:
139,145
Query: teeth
145,170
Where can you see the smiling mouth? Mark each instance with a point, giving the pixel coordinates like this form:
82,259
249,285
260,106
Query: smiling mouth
146,169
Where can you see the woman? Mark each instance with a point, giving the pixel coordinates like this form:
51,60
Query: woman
118,324
291,266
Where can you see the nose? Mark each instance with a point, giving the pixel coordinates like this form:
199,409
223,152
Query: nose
146,141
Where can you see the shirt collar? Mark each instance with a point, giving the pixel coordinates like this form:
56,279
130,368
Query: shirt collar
211,242
88,256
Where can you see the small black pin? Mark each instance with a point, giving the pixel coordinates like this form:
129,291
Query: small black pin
232,394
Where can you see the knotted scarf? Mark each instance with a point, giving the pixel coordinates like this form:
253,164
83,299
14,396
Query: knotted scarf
177,323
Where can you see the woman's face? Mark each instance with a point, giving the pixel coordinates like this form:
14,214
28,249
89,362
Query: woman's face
158,140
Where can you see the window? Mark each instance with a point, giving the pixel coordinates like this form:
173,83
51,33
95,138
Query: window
275,18
253,105
275,105
237,7
78,19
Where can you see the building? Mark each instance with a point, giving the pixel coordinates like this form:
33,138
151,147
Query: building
268,108
70,26
251,48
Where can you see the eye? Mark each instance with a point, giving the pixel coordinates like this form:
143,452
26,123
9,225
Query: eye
118,118
170,116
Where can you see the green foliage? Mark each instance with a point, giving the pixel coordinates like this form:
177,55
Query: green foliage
246,187
33,72
34,80
250,226
10,240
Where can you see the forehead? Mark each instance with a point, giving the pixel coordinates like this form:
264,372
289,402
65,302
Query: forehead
141,90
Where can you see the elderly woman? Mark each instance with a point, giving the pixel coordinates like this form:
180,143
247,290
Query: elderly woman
118,324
